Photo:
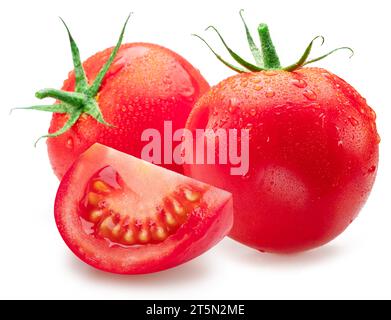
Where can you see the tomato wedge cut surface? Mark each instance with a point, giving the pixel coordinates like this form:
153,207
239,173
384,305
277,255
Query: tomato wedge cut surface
124,215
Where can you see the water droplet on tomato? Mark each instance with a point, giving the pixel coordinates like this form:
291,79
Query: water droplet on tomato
300,83
234,85
340,143
244,83
372,114
270,73
187,91
372,169
222,122
69,143
327,75
353,121
253,112
378,139
232,104
310,95
246,176
270,93
167,80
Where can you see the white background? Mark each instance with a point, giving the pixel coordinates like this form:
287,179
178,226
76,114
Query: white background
35,262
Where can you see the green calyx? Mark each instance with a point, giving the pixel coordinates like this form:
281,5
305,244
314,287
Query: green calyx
83,99
265,56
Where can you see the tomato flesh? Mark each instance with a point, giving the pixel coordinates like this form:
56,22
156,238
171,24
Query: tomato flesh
116,212
124,215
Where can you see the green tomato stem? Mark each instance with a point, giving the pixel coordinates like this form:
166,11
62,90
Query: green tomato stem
270,57
265,57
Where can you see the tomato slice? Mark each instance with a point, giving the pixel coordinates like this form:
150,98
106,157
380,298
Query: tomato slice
123,215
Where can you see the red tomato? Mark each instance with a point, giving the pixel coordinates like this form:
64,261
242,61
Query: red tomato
115,95
313,150
313,155
124,215
146,85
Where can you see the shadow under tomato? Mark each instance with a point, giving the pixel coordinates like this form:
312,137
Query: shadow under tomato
234,250
186,273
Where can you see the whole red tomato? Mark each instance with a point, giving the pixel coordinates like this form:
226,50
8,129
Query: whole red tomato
313,150
118,93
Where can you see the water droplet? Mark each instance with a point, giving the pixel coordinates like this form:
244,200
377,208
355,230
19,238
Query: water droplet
253,112
167,80
234,85
256,80
187,91
258,87
327,75
232,104
270,73
123,109
69,143
268,139
310,95
340,143
300,83
353,121
378,139
372,114
249,125
222,122
246,176
244,83
372,169
314,105
270,93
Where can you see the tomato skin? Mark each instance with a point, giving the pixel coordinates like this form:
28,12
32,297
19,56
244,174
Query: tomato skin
202,230
313,155
145,85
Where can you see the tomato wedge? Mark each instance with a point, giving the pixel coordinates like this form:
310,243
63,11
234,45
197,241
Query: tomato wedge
123,215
